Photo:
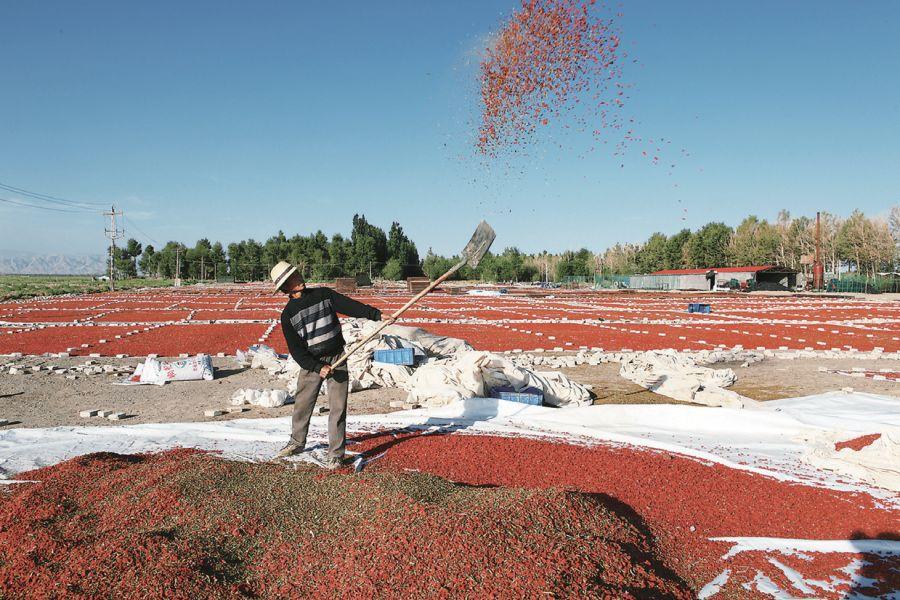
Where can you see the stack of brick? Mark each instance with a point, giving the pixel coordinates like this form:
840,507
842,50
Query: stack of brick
417,284
345,285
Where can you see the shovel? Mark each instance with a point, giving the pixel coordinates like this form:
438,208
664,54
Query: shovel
471,255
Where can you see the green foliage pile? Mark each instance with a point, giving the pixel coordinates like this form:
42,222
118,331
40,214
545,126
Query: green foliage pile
19,287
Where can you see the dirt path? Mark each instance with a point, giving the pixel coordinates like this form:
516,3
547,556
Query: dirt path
44,399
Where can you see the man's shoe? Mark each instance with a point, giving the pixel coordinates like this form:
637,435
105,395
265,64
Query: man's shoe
290,449
333,462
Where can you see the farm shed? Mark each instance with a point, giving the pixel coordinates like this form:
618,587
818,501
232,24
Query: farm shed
703,279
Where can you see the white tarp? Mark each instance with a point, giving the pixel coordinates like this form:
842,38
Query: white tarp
452,370
265,398
677,375
474,374
772,441
364,372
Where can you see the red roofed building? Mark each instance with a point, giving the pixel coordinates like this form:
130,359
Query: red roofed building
765,276
717,270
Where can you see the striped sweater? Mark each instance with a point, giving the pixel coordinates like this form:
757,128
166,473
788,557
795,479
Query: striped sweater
311,327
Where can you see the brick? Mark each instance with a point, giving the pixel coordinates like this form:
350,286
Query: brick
116,416
238,409
86,414
213,413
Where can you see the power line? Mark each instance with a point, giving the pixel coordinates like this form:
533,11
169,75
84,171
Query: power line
49,198
141,231
24,204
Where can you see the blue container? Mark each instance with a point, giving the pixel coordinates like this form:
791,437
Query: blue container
526,396
696,307
400,356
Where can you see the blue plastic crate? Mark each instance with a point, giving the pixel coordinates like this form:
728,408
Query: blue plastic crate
526,396
696,307
400,356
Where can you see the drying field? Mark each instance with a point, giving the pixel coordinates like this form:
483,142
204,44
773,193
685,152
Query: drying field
503,516
173,321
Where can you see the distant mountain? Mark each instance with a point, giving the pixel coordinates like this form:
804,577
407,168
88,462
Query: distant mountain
15,262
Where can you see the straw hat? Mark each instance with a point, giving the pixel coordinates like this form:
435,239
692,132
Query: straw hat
281,272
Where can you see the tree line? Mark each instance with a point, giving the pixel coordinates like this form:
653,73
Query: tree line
856,243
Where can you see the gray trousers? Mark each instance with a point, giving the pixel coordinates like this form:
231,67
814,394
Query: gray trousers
308,384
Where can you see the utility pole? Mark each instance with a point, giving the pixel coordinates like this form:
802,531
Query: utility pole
818,267
177,266
113,233
202,268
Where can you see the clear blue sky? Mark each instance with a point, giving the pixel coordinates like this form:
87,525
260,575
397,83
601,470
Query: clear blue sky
233,119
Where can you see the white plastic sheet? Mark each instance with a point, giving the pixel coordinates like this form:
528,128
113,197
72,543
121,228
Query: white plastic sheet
677,375
473,374
265,398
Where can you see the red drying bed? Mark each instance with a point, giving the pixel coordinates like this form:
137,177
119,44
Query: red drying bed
160,304
255,314
58,339
88,302
801,336
727,325
487,337
618,336
214,304
145,316
819,314
50,315
684,502
172,340
276,340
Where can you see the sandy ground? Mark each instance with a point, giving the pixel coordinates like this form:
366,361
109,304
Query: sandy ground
44,400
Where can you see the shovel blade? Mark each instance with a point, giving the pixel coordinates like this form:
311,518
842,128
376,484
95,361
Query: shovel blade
479,244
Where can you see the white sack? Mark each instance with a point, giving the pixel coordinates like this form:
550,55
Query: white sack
155,372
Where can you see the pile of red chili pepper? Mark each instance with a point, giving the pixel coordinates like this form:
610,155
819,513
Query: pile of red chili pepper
550,57
187,524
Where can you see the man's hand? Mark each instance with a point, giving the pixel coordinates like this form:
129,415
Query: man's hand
325,372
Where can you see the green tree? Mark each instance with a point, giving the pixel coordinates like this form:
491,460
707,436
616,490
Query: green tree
434,266
676,250
652,255
402,249
369,246
393,270
148,261
217,258
125,258
754,242
579,264
709,246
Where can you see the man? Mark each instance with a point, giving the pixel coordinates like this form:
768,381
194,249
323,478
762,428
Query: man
313,334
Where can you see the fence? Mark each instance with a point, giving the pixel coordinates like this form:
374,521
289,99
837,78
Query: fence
865,284
612,282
